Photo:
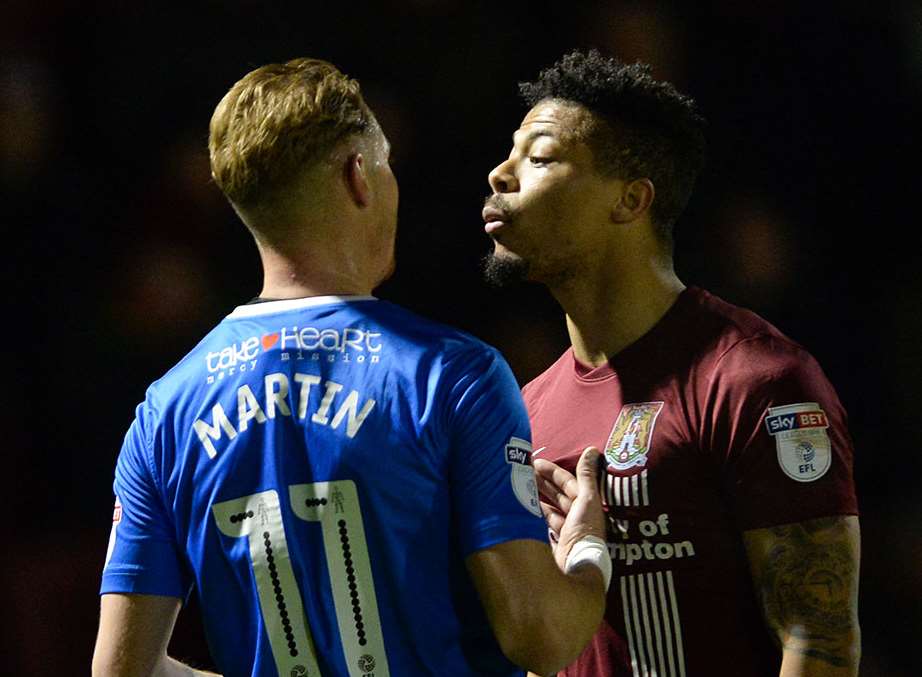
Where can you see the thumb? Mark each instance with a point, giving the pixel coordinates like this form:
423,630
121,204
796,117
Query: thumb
587,471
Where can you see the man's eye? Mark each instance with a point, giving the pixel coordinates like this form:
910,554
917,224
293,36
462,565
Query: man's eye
535,160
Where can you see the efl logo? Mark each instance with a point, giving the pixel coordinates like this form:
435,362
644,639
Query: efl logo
796,421
117,512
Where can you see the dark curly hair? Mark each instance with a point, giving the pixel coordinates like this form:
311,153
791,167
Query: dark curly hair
643,127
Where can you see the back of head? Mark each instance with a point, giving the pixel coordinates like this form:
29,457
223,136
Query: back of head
644,128
275,124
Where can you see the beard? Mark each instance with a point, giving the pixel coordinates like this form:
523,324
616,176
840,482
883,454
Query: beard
501,271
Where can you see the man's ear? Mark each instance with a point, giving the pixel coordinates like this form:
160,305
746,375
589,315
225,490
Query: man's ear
635,199
356,180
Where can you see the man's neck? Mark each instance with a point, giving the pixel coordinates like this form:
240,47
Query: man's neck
607,313
312,273
296,288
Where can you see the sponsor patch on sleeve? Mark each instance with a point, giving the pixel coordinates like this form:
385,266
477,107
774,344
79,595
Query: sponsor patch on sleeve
522,474
116,519
804,450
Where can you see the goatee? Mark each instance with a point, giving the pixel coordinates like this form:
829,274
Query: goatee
500,271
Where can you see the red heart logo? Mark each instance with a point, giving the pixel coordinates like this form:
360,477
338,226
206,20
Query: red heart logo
270,340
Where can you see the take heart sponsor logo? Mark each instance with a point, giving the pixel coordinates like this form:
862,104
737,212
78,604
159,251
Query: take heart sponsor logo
237,357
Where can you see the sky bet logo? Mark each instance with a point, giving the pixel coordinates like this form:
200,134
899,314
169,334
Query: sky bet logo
346,345
796,421
516,452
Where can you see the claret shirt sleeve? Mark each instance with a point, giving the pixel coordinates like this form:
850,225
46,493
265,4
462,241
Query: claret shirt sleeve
779,432
492,481
143,556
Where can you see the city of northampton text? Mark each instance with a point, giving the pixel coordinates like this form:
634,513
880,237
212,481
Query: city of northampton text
646,550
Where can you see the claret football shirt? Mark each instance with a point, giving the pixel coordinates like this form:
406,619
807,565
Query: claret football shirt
319,469
713,423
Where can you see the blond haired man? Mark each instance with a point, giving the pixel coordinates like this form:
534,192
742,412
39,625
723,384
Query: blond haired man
347,486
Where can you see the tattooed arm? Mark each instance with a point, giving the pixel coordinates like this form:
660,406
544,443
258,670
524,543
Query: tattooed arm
806,577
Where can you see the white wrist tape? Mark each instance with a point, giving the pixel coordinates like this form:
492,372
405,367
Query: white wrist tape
590,550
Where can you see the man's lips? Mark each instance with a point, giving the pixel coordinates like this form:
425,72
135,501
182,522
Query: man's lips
494,219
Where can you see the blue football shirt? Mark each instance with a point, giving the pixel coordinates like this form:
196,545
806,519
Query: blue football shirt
318,469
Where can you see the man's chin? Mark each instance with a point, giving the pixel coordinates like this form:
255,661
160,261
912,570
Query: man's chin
500,270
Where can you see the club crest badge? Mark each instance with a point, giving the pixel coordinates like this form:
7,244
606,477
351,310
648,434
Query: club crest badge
804,451
630,439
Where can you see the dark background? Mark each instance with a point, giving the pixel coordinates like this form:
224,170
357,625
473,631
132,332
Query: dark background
121,253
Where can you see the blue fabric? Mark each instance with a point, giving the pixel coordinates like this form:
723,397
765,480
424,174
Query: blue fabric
414,415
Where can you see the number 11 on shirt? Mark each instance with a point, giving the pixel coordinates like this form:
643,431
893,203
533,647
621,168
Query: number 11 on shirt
335,506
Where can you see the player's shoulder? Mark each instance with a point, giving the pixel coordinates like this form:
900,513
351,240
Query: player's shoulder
745,343
414,343
408,326
189,369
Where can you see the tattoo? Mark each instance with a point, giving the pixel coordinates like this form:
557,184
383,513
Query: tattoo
809,527
833,659
808,588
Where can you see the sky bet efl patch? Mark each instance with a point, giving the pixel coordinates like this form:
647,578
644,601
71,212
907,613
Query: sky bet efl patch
518,456
804,451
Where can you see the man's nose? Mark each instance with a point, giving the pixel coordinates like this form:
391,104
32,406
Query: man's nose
502,179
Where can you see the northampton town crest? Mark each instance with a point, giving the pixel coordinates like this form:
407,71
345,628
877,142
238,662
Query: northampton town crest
629,441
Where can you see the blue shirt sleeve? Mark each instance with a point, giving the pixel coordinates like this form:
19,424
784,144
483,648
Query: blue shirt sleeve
143,553
493,490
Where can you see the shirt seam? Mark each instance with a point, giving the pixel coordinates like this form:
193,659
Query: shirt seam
288,305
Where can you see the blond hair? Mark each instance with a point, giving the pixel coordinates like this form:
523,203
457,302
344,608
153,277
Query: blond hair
277,121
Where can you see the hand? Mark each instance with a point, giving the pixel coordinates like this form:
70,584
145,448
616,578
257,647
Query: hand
572,505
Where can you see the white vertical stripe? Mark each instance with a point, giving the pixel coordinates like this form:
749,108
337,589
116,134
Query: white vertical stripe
655,615
651,620
626,490
677,623
640,652
616,482
666,624
627,626
635,490
609,494
646,494
646,624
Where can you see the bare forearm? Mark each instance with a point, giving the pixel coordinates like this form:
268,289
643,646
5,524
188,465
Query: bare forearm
170,667
541,617
801,659
569,615
816,620
807,577
818,654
